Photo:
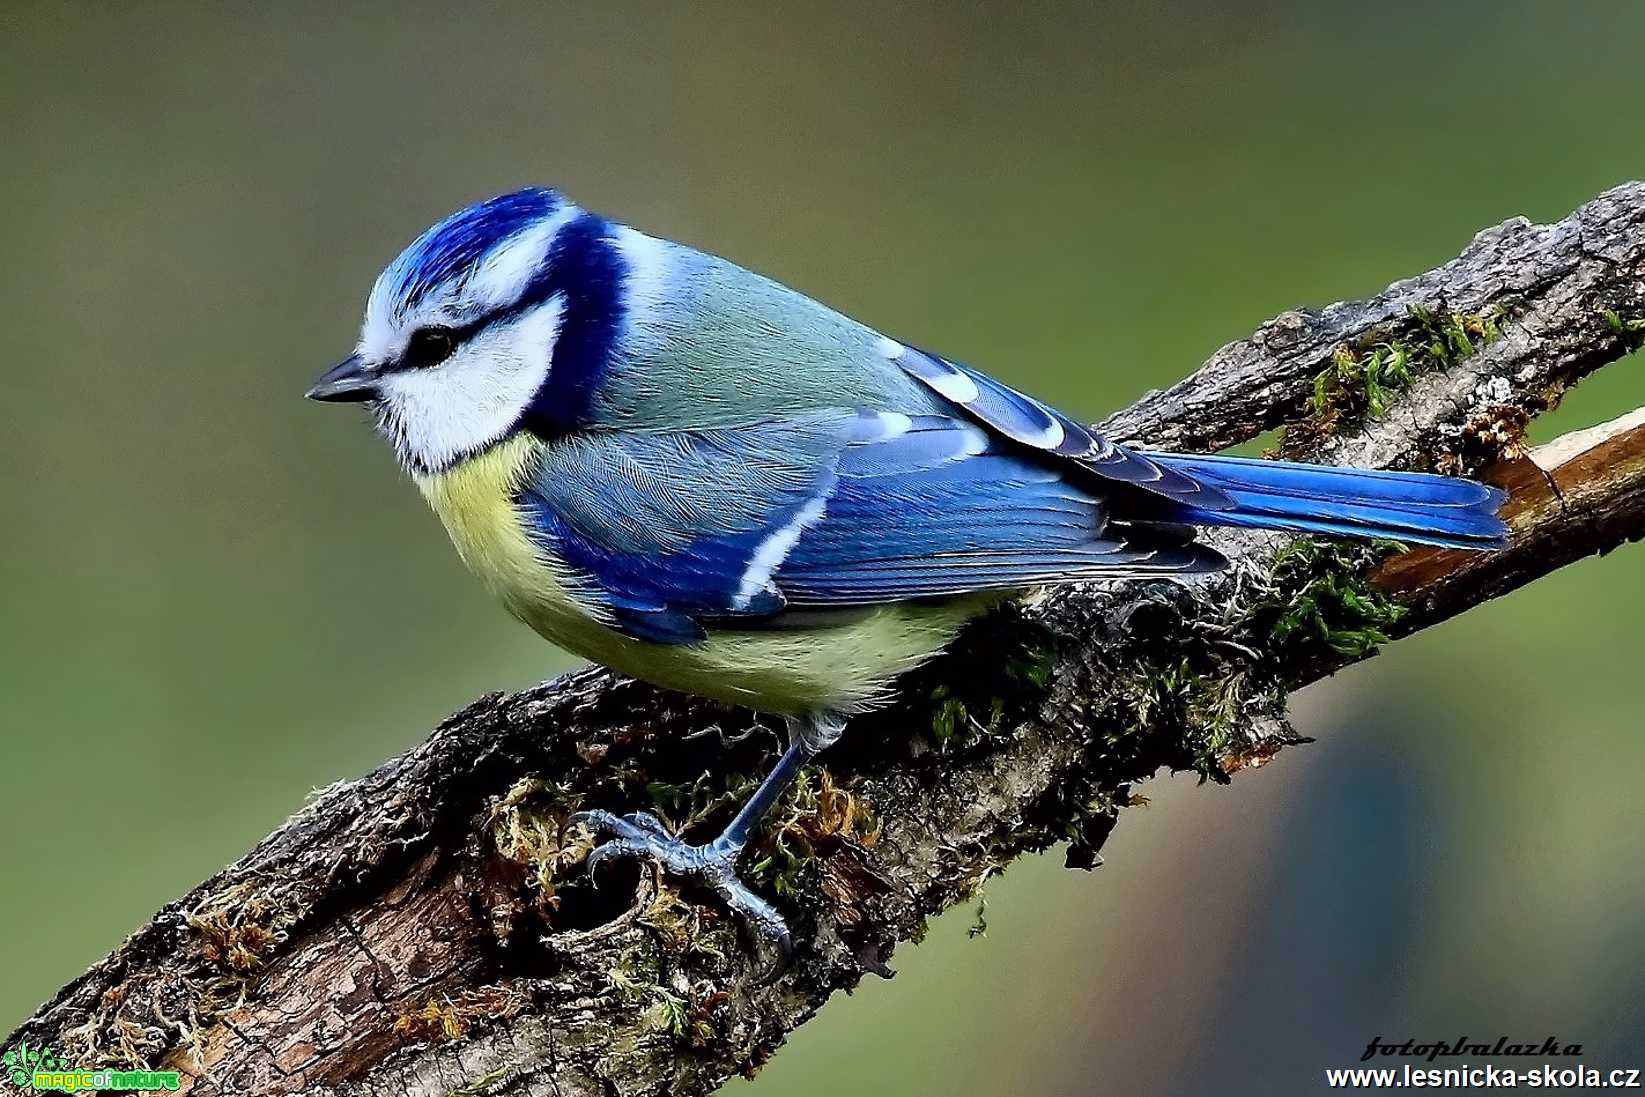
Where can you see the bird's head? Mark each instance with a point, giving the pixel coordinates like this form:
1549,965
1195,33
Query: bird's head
461,329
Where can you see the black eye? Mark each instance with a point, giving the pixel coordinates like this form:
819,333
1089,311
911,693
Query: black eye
428,347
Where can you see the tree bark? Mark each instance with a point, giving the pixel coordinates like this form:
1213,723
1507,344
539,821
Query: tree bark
428,929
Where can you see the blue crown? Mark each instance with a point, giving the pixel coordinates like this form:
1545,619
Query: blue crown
455,246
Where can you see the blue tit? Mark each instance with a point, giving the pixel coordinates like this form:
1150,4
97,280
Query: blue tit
702,478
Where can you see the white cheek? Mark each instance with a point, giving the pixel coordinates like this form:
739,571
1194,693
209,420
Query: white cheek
435,416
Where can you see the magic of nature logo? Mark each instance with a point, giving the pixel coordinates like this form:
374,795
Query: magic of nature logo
41,1069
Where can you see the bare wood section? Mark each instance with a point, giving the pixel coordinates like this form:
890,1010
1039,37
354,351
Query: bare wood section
1579,495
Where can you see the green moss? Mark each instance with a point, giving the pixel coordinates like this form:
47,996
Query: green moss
1200,698
782,868
814,813
1620,326
1631,328
683,806
233,934
1032,666
1327,597
444,1018
1375,376
690,1015
240,927
528,825
969,707
1203,706
1365,376
949,715
786,851
663,1009
673,1016
1452,336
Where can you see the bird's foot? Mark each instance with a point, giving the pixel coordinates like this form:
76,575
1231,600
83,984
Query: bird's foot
714,864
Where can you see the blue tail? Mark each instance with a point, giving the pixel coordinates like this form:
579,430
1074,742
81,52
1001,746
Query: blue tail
1403,506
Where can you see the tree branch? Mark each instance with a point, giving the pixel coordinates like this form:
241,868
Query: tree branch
428,929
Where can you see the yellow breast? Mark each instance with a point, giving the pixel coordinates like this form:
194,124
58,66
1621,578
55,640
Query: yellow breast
844,667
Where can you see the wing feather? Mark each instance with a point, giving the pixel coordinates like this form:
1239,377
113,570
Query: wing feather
1030,423
676,530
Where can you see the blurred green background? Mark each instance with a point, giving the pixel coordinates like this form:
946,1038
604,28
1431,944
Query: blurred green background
217,597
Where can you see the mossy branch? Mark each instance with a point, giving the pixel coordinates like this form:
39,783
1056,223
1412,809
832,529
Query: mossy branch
428,928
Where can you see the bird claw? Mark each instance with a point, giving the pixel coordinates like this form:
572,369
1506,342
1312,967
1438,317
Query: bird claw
630,825
715,865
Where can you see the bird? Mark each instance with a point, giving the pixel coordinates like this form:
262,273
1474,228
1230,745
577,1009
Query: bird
704,479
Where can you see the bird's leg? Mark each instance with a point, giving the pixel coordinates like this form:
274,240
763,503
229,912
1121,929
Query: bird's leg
715,864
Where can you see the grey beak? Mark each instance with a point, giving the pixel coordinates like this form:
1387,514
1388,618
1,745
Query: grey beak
350,381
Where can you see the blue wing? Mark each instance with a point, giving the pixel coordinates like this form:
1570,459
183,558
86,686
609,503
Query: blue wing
941,507
664,527
672,531
1030,423
1227,491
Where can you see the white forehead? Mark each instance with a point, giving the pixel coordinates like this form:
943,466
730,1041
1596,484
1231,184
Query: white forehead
495,281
